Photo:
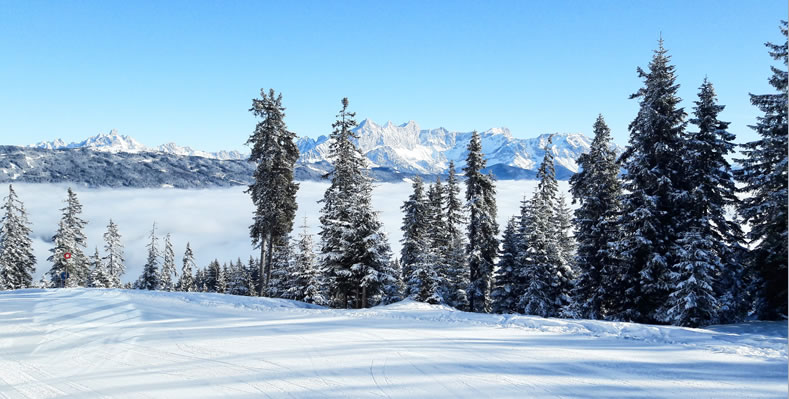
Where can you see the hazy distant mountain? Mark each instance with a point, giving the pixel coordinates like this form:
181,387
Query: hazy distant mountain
395,152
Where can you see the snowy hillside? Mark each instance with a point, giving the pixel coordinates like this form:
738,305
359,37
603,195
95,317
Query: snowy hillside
86,343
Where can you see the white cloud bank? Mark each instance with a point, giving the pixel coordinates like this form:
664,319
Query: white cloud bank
215,221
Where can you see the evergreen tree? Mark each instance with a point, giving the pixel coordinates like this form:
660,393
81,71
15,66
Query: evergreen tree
17,262
254,275
114,258
505,288
438,237
221,279
597,189
187,281
167,274
307,283
482,245
99,278
70,239
457,268
692,303
354,251
764,175
654,204
566,267
274,189
710,183
149,280
281,278
547,277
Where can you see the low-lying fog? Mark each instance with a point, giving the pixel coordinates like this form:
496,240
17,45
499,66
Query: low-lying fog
215,221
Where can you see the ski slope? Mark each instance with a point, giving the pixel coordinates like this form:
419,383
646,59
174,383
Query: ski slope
91,343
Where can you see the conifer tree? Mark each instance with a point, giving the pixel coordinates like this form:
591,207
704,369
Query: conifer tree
307,283
149,280
186,283
764,175
482,245
547,277
70,239
355,255
17,262
597,189
457,268
99,278
710,183
438,237
167,274
506,282
655,201
274,189
692,302
114,259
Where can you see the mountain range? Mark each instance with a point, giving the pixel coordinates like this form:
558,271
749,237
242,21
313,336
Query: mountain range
394,151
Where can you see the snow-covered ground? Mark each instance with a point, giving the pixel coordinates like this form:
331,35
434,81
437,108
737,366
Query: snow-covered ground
85,343
215,221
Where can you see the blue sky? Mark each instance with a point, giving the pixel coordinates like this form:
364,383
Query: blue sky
186,71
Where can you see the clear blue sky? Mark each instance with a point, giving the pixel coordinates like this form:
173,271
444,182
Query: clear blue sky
186,71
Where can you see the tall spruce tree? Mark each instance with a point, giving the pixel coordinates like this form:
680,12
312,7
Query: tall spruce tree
764,178
482,245
457,268
17,262
186,283
417,254
308,285
506,279
548,278
273,191
114,259
654,204
69,238
711,190
167,274
597,189
355,255
149,280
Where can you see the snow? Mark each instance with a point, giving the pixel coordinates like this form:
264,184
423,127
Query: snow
85,343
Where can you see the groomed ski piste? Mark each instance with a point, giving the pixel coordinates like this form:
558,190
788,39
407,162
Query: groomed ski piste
96,343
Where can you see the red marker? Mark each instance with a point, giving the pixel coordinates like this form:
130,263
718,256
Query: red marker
67,255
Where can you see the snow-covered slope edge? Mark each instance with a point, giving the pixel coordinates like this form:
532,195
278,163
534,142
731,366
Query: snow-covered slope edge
757,339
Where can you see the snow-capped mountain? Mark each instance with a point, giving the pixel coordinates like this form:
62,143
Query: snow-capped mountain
113,142
395,152
407,149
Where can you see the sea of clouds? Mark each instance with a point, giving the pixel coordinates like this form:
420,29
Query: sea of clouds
214,221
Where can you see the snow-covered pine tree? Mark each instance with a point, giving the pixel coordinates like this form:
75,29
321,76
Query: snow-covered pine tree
274,189
200,281
221,279
254,275
597,189
504,295
712,190
99,278
549,281
69,238
654,202
281,276
17,262
307,282
149,280
438,235
395,291
566,267
167,274
483,247
354,253
186,282
457,267
114,258
764,175
692,302
237,280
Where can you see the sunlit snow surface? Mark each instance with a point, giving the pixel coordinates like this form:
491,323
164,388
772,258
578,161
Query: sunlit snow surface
215,221
86,343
